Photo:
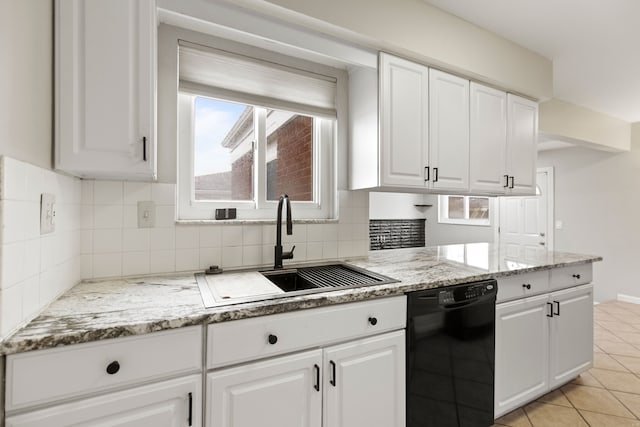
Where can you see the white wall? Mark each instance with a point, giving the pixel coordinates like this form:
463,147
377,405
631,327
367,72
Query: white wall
417,30
397,206
597,199
26,46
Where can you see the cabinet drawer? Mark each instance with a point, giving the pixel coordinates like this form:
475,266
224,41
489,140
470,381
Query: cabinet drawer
571,276
522,285
42,376
248,339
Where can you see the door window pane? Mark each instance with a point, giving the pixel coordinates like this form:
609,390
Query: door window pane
223,150
289,156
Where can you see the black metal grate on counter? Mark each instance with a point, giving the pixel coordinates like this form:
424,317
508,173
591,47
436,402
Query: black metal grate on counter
396,233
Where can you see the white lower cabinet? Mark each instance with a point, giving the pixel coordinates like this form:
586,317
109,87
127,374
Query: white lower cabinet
283,391
364,382
360,383
542,342
170,403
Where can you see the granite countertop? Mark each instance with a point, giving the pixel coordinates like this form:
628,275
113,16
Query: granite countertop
99,310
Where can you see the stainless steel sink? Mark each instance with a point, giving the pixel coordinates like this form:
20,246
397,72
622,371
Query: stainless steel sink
320,278
251,285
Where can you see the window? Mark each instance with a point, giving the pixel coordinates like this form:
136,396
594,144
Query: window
465,210
250,131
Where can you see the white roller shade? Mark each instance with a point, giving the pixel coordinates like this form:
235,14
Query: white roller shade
218,73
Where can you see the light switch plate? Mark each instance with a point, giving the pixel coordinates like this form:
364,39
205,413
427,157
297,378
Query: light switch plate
146,214
47,213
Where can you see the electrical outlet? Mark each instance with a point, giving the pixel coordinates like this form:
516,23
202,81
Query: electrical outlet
146,214
47,213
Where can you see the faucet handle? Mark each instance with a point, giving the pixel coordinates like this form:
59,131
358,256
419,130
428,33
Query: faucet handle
289,255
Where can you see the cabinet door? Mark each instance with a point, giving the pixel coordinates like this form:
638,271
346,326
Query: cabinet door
167,404
571,334
364,382
448,131
284,392
105,88
522,136
488,140
522,352
404,131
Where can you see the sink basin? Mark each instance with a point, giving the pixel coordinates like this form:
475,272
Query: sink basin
324,278
251,285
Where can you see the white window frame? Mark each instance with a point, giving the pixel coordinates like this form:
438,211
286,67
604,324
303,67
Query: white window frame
322,206
443,212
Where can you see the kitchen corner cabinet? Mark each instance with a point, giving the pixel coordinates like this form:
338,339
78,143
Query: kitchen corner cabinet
105,88
542,341
333,366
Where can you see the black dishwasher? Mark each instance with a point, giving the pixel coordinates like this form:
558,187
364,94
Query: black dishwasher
451,355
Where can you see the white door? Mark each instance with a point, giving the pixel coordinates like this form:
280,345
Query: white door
167,404
404,135
488,140
283,392
522,352
364,382
522,137
525,225
448,131
571,334
105,88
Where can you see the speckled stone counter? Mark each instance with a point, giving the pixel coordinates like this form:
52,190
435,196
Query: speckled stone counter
116,308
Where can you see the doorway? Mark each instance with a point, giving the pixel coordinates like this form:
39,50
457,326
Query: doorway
525,224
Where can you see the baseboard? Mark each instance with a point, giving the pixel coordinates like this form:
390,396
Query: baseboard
629,298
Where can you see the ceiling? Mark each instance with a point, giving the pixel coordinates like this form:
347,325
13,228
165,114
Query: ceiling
593,45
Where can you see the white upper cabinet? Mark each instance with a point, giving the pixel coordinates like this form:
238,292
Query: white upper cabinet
449,131
522,137
488,146
404,92
105,84
431,131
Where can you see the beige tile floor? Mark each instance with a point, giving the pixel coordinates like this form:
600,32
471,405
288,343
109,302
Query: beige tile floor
608,395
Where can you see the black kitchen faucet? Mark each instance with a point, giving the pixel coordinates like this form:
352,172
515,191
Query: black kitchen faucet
279,254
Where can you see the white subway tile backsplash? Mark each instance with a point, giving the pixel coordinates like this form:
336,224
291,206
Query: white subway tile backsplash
210,236
330,232
135,263
299,234
165,216
251,235
135,192
86,241
32,264
187,259
107,265
163,194
86,266
187,237
86,189
345,249
10,309
252,255
162,261
107,216
107,192
135,240
162,239
209,257
31,296
269,234
315,232
314,251
232,236
130,216
14,221
86,217
13,262
330,250
232,256
107,241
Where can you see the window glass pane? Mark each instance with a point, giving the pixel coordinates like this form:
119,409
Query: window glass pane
478,208
289,156
223,150
456,207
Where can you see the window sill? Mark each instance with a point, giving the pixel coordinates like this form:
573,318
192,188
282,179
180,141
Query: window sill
454,222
